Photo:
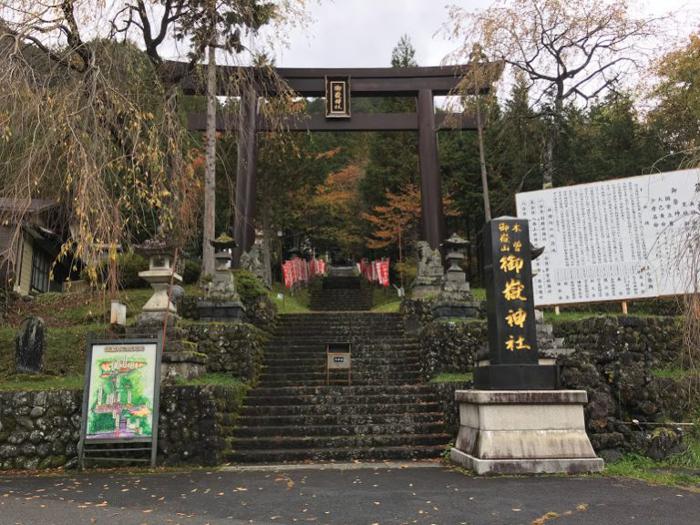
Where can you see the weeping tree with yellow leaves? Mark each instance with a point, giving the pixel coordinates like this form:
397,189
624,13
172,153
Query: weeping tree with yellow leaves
94,123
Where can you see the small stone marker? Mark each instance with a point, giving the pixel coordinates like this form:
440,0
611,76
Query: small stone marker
30,343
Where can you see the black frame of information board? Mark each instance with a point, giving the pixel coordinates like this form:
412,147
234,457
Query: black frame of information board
138,450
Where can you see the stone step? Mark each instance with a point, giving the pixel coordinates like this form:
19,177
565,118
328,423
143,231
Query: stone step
341,390
320,410
319,359
358,376
334,442
321,317
311,372
358,372
317,337
327,325
336,454
399,356
320,342
358,344
340,430
338,381
340,399
379,329
398,363
316,420
358,365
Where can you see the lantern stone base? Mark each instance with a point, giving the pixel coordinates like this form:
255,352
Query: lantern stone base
449,308
220,311
523,432
182,364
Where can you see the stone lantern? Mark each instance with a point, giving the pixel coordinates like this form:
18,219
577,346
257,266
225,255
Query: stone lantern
160,274
455,298
222,302
455,278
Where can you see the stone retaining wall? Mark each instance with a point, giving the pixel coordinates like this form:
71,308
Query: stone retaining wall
615,362
234,348
445,393
451,346
41,429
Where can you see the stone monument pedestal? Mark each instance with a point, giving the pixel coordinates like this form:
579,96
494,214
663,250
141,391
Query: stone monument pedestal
182,364
212,310
446,307
523,432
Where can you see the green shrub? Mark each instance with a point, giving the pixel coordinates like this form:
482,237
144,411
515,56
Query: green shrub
191,271
129,265
248,287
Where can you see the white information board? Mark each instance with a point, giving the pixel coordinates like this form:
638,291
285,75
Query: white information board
614,240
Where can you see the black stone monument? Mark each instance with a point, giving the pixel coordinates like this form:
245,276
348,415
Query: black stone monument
513,362
30,343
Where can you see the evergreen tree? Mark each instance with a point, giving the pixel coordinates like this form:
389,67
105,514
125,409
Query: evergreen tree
393,156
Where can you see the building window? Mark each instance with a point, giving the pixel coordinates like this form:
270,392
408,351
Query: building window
40,272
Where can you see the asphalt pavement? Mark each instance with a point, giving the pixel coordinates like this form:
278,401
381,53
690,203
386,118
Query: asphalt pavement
358,494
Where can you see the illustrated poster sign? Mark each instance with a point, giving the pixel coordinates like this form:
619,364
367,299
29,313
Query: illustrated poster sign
614,240
122,391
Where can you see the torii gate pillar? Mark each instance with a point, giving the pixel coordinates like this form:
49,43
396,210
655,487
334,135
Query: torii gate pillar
431,191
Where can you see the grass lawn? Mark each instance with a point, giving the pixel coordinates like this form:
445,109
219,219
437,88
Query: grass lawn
288,302
65,349
677,373
385,300
668,472
41,382
452,378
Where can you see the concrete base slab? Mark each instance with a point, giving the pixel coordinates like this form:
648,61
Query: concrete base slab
523,432
526,466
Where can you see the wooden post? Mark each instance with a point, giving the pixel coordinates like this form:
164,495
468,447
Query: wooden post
243,231
556,310
431,192
624,307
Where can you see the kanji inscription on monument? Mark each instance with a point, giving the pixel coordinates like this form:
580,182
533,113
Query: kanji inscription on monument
511,313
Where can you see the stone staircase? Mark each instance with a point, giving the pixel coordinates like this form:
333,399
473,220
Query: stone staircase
387,413
341,292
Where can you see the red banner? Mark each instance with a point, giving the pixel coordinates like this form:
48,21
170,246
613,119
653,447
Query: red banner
298,270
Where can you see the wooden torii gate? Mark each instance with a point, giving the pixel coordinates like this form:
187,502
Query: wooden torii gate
339,85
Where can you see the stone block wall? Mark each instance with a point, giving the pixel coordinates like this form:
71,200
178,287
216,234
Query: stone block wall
445,393
234,348
451,346
614,361
196,423
41,429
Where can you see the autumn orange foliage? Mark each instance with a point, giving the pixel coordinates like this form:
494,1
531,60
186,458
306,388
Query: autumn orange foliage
398,220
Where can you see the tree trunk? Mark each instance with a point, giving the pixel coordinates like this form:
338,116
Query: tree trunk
548,168
482,162
208,232
551,143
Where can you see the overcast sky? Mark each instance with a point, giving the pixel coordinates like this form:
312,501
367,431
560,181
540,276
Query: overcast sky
362,33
